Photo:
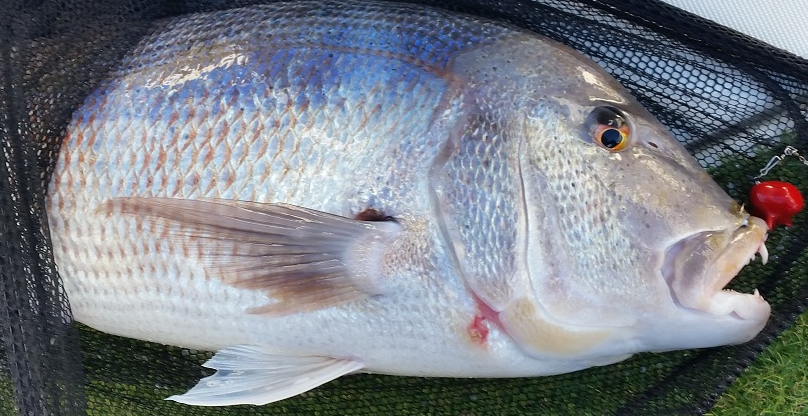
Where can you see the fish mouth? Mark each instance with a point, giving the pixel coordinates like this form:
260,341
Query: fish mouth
699,267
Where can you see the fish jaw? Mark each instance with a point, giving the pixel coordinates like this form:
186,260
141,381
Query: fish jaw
697,269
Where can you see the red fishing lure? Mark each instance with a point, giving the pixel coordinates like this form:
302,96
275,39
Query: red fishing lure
775,201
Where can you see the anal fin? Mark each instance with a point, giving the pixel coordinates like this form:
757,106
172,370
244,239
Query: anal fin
249,374
303,258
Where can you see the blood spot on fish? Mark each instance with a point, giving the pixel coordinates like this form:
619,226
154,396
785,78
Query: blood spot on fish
478,330
486,312
373,214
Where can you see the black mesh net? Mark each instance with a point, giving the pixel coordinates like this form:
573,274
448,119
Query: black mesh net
732,101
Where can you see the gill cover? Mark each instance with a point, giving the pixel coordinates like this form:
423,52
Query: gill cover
481,197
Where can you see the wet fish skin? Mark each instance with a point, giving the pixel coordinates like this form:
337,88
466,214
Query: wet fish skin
473,136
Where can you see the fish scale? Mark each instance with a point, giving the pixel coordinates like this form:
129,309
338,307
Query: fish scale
481,163
200,161
317,188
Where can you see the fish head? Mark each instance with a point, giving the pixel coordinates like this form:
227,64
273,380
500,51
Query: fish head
624,231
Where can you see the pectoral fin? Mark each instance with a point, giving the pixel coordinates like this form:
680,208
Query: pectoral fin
305,259
251,375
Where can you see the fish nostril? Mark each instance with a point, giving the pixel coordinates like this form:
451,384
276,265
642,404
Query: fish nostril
654,145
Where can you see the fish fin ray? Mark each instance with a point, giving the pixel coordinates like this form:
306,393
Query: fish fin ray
302,258
247,374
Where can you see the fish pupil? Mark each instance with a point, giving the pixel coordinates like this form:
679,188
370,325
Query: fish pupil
611,138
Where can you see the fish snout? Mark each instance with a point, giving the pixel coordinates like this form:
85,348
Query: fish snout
697,269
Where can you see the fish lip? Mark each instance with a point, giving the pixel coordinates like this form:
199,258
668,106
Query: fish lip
698,267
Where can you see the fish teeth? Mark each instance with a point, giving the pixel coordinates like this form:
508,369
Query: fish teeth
764,253
755,293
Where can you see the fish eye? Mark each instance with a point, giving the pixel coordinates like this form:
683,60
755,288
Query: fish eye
608,128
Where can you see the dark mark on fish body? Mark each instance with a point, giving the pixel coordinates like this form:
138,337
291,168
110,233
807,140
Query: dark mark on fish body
373,214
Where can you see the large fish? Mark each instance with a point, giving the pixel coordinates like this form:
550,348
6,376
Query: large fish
320,188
